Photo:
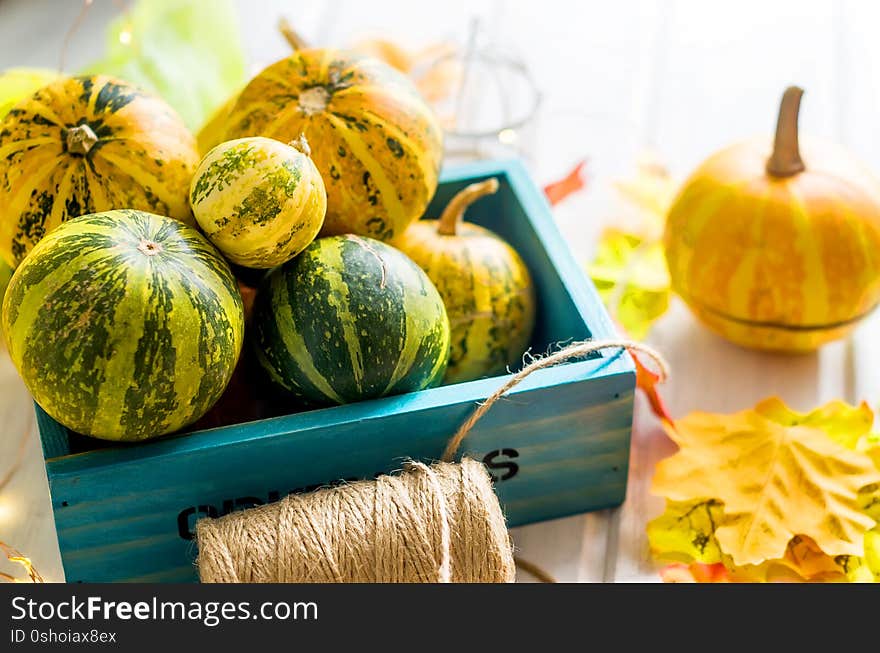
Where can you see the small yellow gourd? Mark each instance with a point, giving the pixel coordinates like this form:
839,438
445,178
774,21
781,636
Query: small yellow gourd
259,201
486,286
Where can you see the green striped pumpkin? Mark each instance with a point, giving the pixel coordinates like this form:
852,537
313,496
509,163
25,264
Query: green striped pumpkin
259,201
124,325
5,276
350,318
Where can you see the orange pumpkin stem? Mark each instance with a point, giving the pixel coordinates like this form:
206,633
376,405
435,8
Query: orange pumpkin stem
454,211
785,161
81,139
290,35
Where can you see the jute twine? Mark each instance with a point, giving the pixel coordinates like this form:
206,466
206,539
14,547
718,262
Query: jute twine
438,523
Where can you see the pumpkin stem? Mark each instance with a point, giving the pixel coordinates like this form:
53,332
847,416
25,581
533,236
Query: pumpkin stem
454,211
785,160
301,144
290,35
81,139
149,247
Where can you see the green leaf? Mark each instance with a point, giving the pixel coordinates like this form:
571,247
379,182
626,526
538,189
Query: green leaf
187,51
631,277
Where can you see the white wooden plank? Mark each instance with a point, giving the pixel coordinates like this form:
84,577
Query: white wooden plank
571,549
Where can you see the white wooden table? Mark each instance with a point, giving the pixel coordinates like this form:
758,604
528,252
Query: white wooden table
681,78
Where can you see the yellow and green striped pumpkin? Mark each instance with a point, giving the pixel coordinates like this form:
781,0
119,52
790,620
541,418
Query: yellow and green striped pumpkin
350,318
486,286
375,141
87,144
259,201
124,325
780,253
5,276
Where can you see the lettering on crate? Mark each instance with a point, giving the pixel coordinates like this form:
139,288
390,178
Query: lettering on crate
187,518
498,460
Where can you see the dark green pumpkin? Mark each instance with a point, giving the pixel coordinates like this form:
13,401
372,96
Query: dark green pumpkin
348,319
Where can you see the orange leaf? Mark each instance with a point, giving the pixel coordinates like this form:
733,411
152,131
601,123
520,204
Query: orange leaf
647,381
695,572
571,183
776,481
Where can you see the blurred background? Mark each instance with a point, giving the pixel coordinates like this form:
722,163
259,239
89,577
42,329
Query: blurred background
684,76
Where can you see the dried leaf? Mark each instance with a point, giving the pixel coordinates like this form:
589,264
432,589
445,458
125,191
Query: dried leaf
571,183
843,423
648,381
695,573
775,480
631,277
686,532
871,561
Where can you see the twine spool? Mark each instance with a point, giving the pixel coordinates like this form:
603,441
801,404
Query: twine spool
437,523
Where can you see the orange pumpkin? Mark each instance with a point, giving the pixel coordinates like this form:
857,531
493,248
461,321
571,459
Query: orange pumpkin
778,252
86,145
375,141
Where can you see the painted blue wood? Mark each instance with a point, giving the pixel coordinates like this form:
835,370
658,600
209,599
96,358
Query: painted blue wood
557,445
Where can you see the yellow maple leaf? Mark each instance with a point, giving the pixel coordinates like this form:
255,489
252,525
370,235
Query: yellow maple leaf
776,480
686,532
872,553
843,423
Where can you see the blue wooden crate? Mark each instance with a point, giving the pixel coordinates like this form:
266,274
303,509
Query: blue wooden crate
557,445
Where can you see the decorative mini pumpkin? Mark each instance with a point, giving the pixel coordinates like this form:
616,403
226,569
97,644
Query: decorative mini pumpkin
258,200
350,318
484,283
5,276
778,253
87,144
374,139
124,325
